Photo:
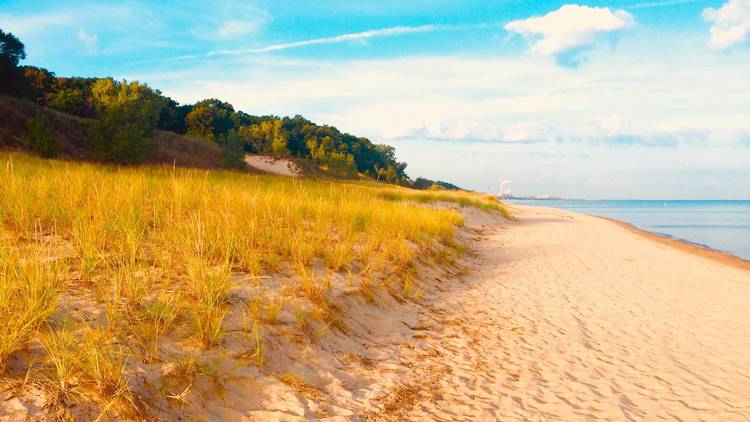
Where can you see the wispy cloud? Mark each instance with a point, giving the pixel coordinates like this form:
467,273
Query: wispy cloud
665,3
236,28
374,33
89,40
396,30
34,24
231,20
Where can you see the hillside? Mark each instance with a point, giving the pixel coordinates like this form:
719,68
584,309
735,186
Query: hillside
75,141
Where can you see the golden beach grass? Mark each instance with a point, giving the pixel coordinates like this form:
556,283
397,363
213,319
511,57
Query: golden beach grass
157,248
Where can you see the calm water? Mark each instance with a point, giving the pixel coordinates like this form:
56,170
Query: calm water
722,225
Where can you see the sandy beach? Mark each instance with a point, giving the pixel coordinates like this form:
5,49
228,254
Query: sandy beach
566,317
571,317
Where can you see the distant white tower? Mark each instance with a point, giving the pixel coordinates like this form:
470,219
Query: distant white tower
502,188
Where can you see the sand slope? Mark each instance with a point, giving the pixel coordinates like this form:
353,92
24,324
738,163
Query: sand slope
570,317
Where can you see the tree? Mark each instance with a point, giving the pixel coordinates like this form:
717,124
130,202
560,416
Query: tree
340,164
39,138
173,117
70,100
279,145
212,119
424,184
234,150
127,113
11,52
200,123
37,84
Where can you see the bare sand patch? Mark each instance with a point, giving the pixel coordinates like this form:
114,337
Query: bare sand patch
273,165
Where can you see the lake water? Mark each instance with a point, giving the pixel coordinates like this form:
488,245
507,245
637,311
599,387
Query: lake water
721,225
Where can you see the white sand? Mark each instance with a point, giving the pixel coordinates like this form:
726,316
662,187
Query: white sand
268,164
570,317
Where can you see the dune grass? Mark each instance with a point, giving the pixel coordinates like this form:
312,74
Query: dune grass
157,249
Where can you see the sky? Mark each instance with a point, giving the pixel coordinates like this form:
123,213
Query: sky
646,99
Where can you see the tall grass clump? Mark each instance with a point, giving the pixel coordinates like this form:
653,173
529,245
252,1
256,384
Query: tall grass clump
28,291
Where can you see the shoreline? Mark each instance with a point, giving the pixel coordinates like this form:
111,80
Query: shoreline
684,245
697,249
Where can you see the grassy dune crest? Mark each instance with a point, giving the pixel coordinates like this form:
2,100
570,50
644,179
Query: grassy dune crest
155,256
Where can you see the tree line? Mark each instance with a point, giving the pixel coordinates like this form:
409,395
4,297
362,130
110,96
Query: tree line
125,114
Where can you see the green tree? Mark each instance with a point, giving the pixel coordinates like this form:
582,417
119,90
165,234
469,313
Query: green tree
11,52
200,123
279,139
127,113
73,95
173,117
39,139
69,100
234,150
340,164
37,84
212,119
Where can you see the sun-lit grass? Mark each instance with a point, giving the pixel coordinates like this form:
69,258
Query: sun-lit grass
158,251
28,290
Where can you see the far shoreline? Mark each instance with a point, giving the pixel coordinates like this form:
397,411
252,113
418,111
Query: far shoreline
704,251
685,245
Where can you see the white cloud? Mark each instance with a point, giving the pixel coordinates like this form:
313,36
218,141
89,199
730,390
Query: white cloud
478,131
242,20
87,39
236,28
228,20
731,23
29,25
617,130
570,29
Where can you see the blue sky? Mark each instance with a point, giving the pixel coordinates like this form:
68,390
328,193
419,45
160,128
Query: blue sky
598,99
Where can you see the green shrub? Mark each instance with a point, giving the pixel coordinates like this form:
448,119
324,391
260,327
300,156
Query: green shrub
234,151
120,137
39,139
